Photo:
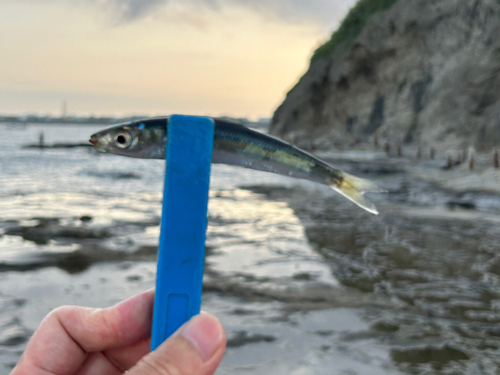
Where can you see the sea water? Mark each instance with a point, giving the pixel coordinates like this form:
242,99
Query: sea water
304,281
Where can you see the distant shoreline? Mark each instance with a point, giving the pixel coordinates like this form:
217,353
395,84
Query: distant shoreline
73,120
26,120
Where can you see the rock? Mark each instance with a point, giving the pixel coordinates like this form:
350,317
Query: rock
383,326
134,278
428,353
48,229
303,276
243,338
461,204
116,175
422,72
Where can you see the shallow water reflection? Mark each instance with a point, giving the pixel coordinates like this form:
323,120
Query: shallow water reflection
440,274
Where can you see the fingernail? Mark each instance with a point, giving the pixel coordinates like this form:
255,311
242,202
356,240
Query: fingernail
205,332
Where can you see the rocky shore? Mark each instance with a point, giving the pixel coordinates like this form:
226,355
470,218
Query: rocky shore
419,72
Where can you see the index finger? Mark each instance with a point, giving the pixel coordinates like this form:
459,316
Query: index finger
68,334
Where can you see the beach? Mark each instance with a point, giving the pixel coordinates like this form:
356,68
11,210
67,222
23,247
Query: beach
303,280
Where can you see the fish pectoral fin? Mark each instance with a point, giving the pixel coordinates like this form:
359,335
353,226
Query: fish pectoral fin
354,188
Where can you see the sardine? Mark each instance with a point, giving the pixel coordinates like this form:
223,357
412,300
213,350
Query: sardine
235,144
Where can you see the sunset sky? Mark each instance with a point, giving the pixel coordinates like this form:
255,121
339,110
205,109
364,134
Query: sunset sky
156,57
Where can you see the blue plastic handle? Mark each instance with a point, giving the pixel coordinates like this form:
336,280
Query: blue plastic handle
181,253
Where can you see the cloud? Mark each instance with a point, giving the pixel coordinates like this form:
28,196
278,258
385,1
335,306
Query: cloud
129,10
326,13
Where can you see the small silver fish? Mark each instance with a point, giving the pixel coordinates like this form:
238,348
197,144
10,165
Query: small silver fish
235,144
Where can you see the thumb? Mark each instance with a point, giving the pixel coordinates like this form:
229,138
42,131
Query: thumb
195,349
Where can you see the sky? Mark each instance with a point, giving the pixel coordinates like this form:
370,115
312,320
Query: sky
156,57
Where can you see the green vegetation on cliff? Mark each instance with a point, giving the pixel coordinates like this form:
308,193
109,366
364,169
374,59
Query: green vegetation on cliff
352,25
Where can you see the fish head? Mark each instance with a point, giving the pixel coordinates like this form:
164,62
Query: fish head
139,139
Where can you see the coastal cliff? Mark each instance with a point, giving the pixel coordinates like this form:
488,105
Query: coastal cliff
420,72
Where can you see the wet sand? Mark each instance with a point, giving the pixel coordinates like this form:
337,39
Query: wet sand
397,293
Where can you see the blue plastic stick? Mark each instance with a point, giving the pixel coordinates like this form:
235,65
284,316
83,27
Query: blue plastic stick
181,253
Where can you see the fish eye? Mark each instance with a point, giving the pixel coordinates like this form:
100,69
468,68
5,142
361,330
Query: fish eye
123,139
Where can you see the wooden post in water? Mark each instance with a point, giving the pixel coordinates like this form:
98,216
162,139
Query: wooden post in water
432,153
41,140
471,161
387,148
400,152
448,162
495,159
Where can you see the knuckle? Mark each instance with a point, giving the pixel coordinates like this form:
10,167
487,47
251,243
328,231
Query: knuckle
109,327
57,313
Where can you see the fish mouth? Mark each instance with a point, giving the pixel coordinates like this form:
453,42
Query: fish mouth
97,142
93,139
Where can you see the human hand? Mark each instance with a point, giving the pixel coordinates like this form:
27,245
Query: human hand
75,340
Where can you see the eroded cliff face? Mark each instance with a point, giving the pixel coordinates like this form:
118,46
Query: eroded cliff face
423,72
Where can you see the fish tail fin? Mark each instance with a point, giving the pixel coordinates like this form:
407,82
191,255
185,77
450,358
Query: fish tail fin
353,188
